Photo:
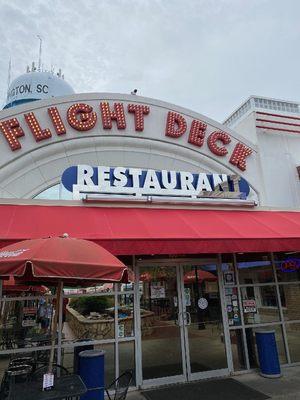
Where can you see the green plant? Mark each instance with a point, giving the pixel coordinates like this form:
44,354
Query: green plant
86,304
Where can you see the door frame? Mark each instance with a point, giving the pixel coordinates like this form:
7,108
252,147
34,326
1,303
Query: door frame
168,379
192,376
186,376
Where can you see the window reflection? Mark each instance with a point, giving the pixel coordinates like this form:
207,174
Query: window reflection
127,358
254,268
125,316
293,336
238,349
25,323
290,296
160,331
56,192
260,304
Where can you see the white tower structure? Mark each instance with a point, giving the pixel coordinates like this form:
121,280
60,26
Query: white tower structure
37,84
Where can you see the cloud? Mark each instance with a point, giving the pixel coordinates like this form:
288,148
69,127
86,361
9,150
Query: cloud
207,55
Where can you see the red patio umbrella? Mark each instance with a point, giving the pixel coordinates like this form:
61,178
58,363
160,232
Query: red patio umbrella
10,286
74,261
156,275
145,277
190,277
60,260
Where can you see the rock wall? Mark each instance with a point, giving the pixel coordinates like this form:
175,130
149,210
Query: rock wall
84,328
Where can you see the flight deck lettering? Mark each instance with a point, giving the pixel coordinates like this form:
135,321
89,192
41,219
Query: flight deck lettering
82,117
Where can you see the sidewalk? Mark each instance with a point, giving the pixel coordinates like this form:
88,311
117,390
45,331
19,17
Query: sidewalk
285,388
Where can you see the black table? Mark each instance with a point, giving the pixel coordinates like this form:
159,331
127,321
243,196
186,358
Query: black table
67,386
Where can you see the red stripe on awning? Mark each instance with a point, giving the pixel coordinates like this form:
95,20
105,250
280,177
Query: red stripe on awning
156,231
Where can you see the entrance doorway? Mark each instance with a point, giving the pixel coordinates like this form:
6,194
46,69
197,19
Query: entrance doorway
182,335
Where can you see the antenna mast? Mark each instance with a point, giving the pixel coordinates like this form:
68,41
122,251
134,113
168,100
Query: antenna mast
40,53
8,75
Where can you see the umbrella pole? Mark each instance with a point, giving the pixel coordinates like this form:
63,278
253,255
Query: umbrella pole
54,325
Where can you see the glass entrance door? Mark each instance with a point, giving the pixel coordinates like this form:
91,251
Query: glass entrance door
181,322
162,353
203,322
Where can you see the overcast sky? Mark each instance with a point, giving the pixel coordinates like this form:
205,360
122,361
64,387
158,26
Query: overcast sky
206,55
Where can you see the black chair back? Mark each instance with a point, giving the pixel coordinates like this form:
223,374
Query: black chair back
121,385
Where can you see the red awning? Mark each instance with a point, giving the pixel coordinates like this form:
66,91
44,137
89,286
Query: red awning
156,231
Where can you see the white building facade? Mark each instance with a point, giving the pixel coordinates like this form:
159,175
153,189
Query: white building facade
204,213
273,125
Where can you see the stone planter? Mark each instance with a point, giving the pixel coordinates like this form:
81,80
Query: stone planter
85,328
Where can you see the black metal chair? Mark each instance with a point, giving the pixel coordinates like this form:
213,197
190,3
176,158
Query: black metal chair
23,360
121,385
14,374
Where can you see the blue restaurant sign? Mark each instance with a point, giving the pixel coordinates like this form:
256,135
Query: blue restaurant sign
141,182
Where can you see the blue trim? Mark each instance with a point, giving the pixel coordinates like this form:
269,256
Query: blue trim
18,102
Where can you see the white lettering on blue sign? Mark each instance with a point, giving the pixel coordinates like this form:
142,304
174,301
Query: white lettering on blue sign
139,182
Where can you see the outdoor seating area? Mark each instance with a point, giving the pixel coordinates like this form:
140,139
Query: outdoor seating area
25,375
39,320
23,378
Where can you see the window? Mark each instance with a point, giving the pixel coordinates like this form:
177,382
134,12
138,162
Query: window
268,296
249,290
56,192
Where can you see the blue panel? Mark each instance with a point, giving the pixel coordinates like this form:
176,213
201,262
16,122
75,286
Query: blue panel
18,103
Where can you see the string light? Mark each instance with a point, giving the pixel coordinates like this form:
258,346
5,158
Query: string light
57,121
174,119
139,111
12,130
108,116
239,154
212,145
197,133
81,117
38,133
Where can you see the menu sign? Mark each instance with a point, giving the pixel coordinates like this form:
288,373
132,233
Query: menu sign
157,291
29,316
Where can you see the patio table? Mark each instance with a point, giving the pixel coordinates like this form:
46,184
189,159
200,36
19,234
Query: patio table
65,387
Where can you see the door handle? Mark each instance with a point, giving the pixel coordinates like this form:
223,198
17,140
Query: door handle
178,320
187,318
